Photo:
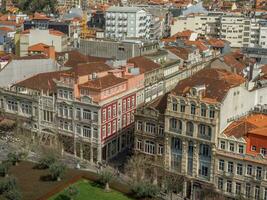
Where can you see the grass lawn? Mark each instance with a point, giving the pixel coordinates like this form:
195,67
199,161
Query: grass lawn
90,191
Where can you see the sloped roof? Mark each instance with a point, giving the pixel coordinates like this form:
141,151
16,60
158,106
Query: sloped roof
89,68
42,81
217,83
38,47
255,124
103,82
144,64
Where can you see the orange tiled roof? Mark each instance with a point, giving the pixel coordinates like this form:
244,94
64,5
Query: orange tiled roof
199,44
217,83
255,123
217,43
6,29
104,82
144,64
38,47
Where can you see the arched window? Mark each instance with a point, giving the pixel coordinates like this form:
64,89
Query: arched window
182,106
176,144
212,112
193,108
189,128
173,123
203,110
204,131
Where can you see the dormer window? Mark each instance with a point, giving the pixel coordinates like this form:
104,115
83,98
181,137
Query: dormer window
212,112
174,105
263,151
193,108
253,148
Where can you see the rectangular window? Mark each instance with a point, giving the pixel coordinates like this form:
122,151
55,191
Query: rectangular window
265,193
78,129
220,183
109,129
60,93
124,105
248,190
257,193
12,105
65,93
249,170
160,149
78,113
258,173
161,130
241,149
139,125
114,110
114,126
109,113
128,103
150,147
104,117
232,147
87,131
229,186
139,144
133,102
222,145
238,188
150,128
26,108
87,114
221,165
230,167
263,151
104,133
239,169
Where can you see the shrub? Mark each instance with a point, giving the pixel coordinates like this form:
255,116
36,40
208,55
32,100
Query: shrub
57,171
145,190
22,155
72,192
105,178
46,161
12,195
13,158
4,168
8,184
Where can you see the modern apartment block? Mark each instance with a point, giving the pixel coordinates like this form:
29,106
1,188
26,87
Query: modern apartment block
127,22
239,30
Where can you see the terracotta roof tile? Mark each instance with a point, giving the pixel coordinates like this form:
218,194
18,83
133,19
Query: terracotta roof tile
38,47
103,82
255,123
216,81
144,64
89,68
42,81
6,29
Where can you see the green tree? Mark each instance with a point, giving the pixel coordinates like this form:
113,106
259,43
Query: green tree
57,171
105,178
31,6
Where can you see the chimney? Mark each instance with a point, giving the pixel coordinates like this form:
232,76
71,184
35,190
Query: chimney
50,52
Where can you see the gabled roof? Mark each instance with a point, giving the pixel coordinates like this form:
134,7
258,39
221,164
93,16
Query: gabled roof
217,83
144,64
6,29
181,52
217,43
199,44
38,47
